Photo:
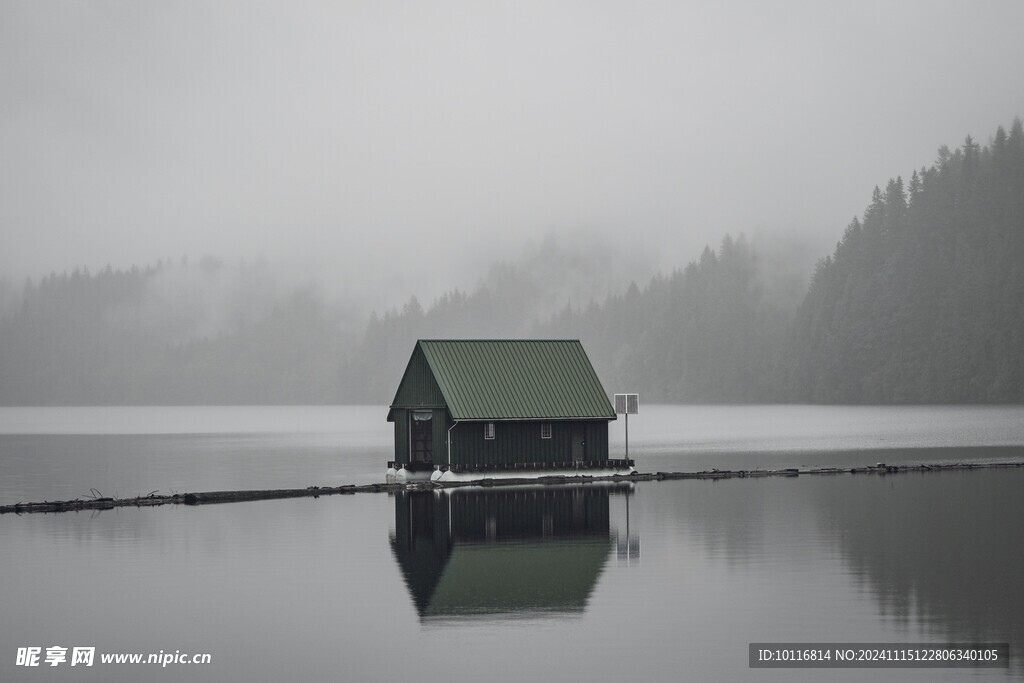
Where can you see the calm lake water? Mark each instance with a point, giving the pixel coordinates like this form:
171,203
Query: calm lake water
653,581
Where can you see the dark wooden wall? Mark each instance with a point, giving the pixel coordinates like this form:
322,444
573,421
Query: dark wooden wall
520,442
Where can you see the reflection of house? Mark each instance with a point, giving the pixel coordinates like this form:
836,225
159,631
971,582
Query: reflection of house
505,551
522,407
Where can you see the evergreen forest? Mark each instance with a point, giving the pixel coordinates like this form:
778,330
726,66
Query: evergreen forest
922,301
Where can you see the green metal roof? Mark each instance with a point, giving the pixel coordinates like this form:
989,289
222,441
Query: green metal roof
516,379
555,576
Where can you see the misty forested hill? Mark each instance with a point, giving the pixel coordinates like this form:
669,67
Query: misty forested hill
710,332
921,302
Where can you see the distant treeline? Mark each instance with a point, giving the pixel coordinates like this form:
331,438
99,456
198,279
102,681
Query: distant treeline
114,338
921,302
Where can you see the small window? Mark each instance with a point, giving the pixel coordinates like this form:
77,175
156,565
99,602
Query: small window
488,430
545,430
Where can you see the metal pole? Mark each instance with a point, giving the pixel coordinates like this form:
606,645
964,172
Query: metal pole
627,436
627,525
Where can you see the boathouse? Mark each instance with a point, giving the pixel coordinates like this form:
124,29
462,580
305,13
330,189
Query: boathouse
501,407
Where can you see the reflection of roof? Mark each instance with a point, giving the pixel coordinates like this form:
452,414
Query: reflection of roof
501,379
537,576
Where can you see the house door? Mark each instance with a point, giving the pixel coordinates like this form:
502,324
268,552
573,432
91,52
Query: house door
579,446
421,436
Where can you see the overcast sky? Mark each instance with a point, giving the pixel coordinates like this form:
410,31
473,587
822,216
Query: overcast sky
398,146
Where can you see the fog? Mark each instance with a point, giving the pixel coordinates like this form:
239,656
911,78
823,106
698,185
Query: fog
385,149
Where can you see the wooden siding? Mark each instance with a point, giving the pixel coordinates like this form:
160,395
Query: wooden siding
418,388
401,435
597,439
520,442
440,424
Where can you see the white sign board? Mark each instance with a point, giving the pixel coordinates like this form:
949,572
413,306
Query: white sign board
627,403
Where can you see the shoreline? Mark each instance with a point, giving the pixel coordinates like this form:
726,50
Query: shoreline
217,497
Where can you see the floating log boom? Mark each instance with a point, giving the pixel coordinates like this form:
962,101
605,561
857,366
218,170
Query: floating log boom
212,497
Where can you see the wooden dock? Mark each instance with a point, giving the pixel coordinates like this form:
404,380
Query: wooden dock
215,497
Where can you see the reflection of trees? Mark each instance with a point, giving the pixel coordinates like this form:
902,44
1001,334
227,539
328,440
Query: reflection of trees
941,547
939,550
